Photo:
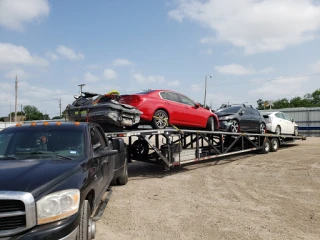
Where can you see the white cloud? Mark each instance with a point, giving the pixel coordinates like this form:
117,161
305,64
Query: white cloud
197,88
121,62
89,77
175,83
140,78
234,69
315,67
267,70
69,53
22,74
280,88
13,13
209,51
255,25
110,73
52,56
12,54
93,66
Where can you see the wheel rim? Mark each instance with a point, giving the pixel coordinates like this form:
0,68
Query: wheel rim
161,120
296,132
234,126
275,145
277,130
262,128
212,125
266,147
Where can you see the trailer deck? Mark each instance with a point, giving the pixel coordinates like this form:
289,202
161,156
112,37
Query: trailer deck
171,147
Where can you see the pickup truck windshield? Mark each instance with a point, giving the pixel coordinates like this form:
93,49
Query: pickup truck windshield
42,143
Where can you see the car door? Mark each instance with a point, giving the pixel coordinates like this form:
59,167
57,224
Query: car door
101,164
289,124
174,107
282,123
256,119
245,119
193,116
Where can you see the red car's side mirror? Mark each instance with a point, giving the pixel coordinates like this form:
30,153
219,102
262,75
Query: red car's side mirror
197,105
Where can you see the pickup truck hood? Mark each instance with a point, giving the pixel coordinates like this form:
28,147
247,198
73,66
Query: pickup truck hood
30,175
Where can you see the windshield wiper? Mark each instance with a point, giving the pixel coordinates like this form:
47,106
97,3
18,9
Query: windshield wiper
65,157
8,157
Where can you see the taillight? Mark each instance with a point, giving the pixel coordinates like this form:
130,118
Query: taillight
131,99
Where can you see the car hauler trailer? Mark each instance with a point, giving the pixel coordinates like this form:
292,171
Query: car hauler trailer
173,147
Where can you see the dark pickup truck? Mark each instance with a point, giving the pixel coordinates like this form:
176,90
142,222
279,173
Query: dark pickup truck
53,176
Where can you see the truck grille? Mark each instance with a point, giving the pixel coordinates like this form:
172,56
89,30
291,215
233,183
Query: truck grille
17,212
9,208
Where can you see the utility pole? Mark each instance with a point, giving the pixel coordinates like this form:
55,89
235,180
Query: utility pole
60,106
16,100
205,91
10,113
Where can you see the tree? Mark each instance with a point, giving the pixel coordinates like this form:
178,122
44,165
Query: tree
32,113
260,104
316,97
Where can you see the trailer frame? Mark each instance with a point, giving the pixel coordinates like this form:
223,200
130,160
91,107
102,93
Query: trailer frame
171,147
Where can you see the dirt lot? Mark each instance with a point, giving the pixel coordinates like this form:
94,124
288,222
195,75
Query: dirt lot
253,196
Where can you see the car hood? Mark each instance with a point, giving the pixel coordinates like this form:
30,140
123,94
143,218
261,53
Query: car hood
34,175
223,114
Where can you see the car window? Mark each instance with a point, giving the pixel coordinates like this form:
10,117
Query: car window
229,110
186,100
255,112
279,115
97,141
172,96
164,95
286,117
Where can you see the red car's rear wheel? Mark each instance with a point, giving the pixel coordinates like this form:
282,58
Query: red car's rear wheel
160,119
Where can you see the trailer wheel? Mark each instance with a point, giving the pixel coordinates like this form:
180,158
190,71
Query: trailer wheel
210,124
266,146
86,226
274,144
139,148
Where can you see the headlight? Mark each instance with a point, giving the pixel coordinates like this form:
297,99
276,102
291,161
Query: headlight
58,205
223,118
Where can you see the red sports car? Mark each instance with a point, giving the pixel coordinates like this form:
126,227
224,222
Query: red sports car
161,107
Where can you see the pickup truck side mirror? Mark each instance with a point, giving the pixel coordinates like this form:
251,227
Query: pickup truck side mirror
104,153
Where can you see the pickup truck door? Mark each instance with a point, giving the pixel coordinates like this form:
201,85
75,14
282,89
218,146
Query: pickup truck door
101,164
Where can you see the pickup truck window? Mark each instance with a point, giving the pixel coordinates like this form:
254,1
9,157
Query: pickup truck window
97,140
42,143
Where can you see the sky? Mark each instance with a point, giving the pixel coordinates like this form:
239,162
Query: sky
246,49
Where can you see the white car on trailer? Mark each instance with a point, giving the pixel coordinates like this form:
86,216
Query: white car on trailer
280,123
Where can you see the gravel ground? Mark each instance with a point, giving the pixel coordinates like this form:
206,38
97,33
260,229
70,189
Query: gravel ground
252,196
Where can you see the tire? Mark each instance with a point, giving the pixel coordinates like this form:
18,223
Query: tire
296,132
210,124
262,128
278,130
160,119
234,127
266,146
139,149
274,145
85,225
123,178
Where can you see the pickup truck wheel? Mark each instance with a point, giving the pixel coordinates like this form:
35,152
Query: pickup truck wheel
123,178
86,225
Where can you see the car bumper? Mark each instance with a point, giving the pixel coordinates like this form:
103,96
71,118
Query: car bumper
224,125
270,127
66,229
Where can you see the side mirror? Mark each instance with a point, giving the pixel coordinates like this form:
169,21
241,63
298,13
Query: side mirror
241,113
197,105
104,153
292,120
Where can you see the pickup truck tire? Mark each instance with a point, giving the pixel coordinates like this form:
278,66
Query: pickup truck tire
84,225
123,178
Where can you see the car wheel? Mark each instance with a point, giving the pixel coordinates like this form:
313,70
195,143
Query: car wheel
234,127
123,178
160,119
278,130
262,129
86,226
296,132
210,124
139,149
274,142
